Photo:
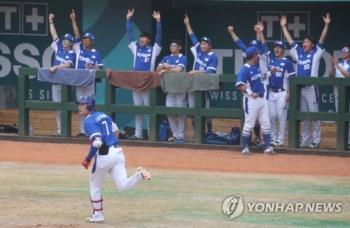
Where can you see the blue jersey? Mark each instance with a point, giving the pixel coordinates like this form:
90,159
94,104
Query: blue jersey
263,57
285,69
62,56
85,56
250,77
307,62
175,61
207,62
144,57
98,124
343,64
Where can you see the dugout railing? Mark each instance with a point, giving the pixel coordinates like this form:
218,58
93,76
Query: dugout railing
155,110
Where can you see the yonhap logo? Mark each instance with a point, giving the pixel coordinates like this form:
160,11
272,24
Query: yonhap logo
232,207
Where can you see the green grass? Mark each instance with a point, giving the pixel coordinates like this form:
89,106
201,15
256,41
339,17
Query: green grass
58,196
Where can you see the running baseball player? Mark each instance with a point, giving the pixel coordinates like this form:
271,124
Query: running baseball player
280,70
64,58
144,60
341,69
263,64
249,82
87,58
308,60
205,62
109,157
176,62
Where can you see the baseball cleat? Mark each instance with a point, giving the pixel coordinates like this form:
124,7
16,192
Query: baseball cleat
314,145
269,151
144,173
92,220
246,151
277,143
303,145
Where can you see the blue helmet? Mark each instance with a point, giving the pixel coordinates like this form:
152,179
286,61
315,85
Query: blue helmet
88,100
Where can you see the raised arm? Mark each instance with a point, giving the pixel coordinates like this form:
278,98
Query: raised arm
232,33
52,27
188,26
326,20
283,22
74,24
156,15
129,25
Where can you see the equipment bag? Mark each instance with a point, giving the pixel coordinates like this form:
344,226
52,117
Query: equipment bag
224,139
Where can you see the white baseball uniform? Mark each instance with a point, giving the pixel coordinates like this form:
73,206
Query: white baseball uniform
144,60
307,66
176,99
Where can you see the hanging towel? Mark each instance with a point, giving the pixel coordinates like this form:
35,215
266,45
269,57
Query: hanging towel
134,80
182,82
68,76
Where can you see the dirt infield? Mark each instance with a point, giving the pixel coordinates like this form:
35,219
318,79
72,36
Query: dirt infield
181,158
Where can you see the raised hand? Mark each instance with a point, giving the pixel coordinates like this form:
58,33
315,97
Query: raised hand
230,29
72,15
283,21
51,17
186,20
156,15
130,14
332,61
327,19
261,26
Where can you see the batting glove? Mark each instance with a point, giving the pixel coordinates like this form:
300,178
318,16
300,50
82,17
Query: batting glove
86,163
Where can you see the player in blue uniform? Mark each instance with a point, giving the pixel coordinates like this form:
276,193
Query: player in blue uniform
205,62
263,64
280,70
144,60
176,62
249,82
64,58
308,60
109,157
87,58
341,69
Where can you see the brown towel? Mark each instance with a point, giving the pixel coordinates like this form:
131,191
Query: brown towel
134,80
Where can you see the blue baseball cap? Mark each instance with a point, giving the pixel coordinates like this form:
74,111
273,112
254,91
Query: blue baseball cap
89,36
251,51
68,37
280,44
205,39
88,100
253,43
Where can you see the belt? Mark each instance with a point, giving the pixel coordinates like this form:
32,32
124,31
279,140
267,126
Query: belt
261,95
277,90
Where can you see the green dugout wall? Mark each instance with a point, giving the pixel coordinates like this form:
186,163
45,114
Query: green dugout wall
25,37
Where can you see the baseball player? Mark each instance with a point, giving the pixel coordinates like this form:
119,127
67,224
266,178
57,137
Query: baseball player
64,58
109,157
280,70
308,60
205,62
341,69
176,62
249,82
87,58
263,64
144,60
